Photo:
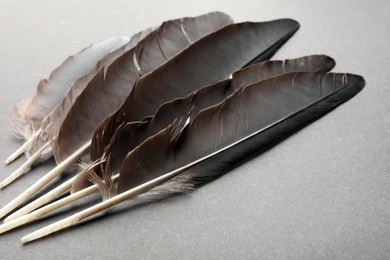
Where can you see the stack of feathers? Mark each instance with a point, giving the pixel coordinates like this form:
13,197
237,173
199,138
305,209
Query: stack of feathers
167,110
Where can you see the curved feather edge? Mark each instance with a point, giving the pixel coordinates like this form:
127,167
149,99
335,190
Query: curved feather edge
130,135
111,87
225,135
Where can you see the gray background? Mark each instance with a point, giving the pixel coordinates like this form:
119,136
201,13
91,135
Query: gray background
321,194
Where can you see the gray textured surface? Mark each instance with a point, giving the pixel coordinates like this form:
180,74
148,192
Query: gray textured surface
323,193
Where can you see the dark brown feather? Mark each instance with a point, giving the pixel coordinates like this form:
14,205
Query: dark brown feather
107,91
211,59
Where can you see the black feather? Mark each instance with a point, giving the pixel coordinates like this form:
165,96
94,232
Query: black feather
247,122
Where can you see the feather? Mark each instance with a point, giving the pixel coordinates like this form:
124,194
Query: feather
213,58
51,123
250,120
110,88
222,136
128,136
28,113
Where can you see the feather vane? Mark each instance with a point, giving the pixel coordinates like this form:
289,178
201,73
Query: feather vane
247,122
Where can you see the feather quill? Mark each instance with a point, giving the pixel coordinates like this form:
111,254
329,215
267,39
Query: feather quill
213,58
28,113
110,88
128,136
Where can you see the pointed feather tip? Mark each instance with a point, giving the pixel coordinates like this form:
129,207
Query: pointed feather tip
331,63
291,23
222,14
360,79
357,80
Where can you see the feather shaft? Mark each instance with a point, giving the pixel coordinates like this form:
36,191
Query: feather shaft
31,216
15,155
25,146
75,218
24,168
43,181
46,198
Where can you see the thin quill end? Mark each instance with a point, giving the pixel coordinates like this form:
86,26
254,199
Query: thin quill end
26,166
13,204
31,237
16,154
16,174
25,239
21,220
75,218
51,206
44,180
48,197
67,222
22,149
